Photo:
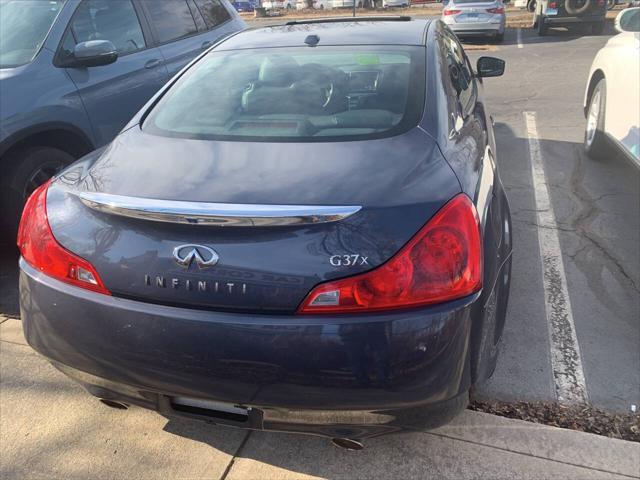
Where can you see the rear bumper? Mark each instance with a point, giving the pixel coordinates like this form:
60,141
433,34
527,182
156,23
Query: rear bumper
561,21
337,376
488,28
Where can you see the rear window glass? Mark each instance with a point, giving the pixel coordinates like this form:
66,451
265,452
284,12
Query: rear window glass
171,19
213,12
295,94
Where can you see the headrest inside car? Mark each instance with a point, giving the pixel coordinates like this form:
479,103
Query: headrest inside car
279,70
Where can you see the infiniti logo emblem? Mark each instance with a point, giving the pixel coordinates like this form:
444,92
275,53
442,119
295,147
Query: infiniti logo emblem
203,256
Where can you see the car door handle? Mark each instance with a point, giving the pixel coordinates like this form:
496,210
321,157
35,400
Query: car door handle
206,44
153,63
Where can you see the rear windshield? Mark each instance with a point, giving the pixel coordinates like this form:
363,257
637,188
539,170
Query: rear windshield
295,94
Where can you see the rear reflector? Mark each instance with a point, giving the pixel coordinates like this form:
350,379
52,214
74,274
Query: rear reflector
442,262
495,10
451,12
40,249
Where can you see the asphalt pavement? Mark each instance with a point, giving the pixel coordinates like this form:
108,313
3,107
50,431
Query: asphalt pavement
50,428
597,210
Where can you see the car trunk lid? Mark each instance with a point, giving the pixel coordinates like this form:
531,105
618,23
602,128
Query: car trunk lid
346,207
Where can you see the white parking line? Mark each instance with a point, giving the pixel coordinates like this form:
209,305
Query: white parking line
566,362
520,45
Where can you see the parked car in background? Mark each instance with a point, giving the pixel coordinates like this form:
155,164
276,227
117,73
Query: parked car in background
476,17
569,13
245,6
74,72
612,96
345,3
314,240
278,4
396,3
613,3
317,4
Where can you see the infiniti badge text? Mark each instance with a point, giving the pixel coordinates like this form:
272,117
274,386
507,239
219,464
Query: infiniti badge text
195,285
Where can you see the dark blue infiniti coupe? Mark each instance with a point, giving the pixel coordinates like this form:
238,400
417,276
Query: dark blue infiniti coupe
304,231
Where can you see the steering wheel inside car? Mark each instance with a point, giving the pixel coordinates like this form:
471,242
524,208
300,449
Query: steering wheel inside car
327,78
328,94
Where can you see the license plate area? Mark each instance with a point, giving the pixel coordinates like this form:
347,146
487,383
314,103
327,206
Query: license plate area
213,412
551,11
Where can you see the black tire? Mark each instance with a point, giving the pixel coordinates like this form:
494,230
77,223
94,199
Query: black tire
572,9
27,169
542,27
597,28
611,4
595,140
531,6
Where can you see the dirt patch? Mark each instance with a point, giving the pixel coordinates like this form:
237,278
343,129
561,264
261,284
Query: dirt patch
584,418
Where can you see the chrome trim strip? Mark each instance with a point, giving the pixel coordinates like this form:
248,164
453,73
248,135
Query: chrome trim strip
214,214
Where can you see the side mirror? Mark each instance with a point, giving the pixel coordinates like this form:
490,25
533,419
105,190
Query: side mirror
628,20
93,53
490,67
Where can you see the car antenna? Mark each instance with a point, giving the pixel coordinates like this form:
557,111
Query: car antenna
312,40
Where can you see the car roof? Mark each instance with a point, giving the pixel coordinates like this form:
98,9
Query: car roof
336,31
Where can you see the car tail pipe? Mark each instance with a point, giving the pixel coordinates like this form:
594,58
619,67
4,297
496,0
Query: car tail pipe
347,443
114,404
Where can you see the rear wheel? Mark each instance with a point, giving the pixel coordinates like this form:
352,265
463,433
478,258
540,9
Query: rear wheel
595,140
29,168
531,6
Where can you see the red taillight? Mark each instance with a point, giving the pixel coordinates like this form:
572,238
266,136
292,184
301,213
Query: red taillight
442,262
451,12
496,10
40,249
553,5
601,3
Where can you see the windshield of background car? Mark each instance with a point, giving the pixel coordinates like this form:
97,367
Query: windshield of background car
295,94
24,25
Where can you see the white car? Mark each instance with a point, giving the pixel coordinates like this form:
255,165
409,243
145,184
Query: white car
476,17
612,98
279,4
317,4
396,3
345,3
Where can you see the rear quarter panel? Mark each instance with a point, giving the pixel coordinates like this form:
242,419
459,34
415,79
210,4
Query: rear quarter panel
472,156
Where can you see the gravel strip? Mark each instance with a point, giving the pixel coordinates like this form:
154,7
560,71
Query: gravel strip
584,418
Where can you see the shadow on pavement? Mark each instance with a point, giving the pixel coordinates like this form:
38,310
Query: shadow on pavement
561,34
530,36
9,280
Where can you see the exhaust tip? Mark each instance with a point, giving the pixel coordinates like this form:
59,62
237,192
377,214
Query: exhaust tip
347,444
114,404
